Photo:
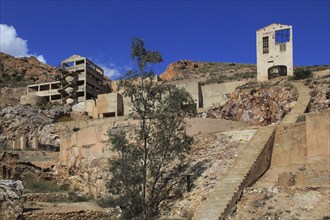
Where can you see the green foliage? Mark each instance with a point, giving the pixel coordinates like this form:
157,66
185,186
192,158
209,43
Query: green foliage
314,93
106,202
43,186
74,197
301,74
49,105
65,118
139,182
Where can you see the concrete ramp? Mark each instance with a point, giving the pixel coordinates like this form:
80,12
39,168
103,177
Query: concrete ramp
252,163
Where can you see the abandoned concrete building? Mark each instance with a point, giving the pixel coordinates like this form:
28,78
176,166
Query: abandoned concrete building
83,80
274,51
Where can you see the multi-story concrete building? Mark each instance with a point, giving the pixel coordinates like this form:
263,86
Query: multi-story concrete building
83,80
274,51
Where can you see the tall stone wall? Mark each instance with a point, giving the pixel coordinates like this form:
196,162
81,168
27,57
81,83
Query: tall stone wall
318,136
217,93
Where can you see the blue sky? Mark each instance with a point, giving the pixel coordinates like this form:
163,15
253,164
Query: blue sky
217,31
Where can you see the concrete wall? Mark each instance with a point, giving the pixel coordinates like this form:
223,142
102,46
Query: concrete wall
275,56
210,125
300,154
110,103
290,145
216,93
194,89
87,143
318,136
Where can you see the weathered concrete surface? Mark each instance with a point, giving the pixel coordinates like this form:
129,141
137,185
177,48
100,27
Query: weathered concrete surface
290,145
92,122
110,103
216,93
318,136
210,125
194,89
246,169
32,99
87,143
290,158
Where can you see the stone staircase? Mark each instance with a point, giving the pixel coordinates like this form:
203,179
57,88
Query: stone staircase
301,105
247,168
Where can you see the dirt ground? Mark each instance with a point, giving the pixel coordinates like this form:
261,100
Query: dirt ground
283,203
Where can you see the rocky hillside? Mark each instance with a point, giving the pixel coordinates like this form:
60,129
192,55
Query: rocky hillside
25,70
17,73
218,72
208,72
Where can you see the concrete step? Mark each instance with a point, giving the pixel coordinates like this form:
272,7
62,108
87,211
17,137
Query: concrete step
218,200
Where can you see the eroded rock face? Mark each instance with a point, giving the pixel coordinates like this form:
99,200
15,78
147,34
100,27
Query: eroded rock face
90,177
260,104
11,206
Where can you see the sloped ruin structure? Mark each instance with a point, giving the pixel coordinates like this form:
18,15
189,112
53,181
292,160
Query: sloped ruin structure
274,51
83,80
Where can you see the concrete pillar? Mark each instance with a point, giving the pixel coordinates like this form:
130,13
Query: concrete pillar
34,143
12,144
22,142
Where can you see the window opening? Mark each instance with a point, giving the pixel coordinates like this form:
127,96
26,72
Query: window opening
265,45
282,47
282,36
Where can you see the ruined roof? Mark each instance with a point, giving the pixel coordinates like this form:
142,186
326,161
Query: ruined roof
73,58
274,25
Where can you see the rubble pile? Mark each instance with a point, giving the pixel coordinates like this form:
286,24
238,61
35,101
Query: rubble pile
283,203
11,206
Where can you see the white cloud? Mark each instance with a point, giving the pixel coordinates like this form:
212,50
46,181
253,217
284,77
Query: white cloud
12,44
111,70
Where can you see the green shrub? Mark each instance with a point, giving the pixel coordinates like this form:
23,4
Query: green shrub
301,118
73,197
313,93
41,186
106,202
301,74
64,118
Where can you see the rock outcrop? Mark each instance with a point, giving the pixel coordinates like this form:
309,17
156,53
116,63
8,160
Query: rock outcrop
11,206
258,104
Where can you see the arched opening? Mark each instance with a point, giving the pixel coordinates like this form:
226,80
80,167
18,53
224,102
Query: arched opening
276,71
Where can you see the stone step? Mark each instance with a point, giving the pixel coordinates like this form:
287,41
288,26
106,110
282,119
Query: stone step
222,194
